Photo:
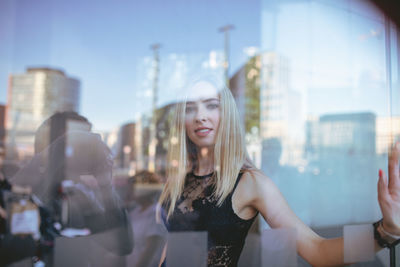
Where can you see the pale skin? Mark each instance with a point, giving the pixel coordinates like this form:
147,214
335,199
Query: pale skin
257,193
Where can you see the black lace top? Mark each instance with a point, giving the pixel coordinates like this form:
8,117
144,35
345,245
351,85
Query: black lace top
197,210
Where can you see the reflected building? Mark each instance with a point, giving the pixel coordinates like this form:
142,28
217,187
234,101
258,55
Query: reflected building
130,144
387,132
245,88
281,132
126,147
268,107
164,116
142,142
281,109
341,150
34,96
341,134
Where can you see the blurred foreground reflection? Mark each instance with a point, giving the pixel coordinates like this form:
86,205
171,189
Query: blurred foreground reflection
71,187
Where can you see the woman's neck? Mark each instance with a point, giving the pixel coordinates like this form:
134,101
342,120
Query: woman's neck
205,161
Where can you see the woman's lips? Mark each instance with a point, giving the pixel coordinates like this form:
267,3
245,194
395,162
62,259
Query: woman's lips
202,132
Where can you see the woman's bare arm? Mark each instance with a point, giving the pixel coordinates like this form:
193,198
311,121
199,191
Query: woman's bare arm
262,194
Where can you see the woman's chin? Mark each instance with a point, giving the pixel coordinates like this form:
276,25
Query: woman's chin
204,142
205,145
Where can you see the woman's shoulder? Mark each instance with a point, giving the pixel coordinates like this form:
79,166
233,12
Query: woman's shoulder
253,175
254,181
250,189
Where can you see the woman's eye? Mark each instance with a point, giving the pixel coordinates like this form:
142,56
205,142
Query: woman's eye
189,109
212,106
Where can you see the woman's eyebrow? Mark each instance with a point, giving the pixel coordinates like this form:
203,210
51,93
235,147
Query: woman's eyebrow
211,99
204,101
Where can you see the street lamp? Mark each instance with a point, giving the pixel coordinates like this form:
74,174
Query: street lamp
225,29
153,127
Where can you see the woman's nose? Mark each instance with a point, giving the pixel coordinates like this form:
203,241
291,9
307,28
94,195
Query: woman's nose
200,118
200,115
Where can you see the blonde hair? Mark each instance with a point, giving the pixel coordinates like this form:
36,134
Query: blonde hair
229,152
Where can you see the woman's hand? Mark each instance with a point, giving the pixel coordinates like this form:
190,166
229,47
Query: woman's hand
389,193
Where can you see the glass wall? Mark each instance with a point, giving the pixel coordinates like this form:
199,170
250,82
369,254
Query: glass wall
328,103
89,91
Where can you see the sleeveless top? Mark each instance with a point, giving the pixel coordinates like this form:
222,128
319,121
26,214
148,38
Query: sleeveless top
197,210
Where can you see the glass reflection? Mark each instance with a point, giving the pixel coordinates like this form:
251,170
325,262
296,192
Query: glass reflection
71,184
315,83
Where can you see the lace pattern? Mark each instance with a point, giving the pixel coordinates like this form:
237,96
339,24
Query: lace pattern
197,210
196,189
219,256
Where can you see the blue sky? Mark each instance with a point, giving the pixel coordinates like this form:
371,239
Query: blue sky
336,53
331,46
101,42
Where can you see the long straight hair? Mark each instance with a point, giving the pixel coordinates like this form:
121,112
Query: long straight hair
229,152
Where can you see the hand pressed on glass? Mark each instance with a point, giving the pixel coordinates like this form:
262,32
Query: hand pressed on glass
389,193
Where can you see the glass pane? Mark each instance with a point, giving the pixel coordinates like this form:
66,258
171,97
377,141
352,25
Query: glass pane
278,248
358,243
99,120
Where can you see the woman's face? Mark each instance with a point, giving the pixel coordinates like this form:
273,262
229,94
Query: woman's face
202,114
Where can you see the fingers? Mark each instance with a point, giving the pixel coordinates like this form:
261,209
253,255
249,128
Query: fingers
383,192
393,164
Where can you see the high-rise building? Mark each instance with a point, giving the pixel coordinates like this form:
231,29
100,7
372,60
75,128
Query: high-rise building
126,150
32,97
387,132
122,143
164,117
341,151
280,108
142,141
245,88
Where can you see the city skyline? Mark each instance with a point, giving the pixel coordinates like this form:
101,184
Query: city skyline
104,49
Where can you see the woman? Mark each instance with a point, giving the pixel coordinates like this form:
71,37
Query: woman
212,187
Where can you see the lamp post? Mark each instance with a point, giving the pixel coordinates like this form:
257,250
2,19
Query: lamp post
153,126
225,29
